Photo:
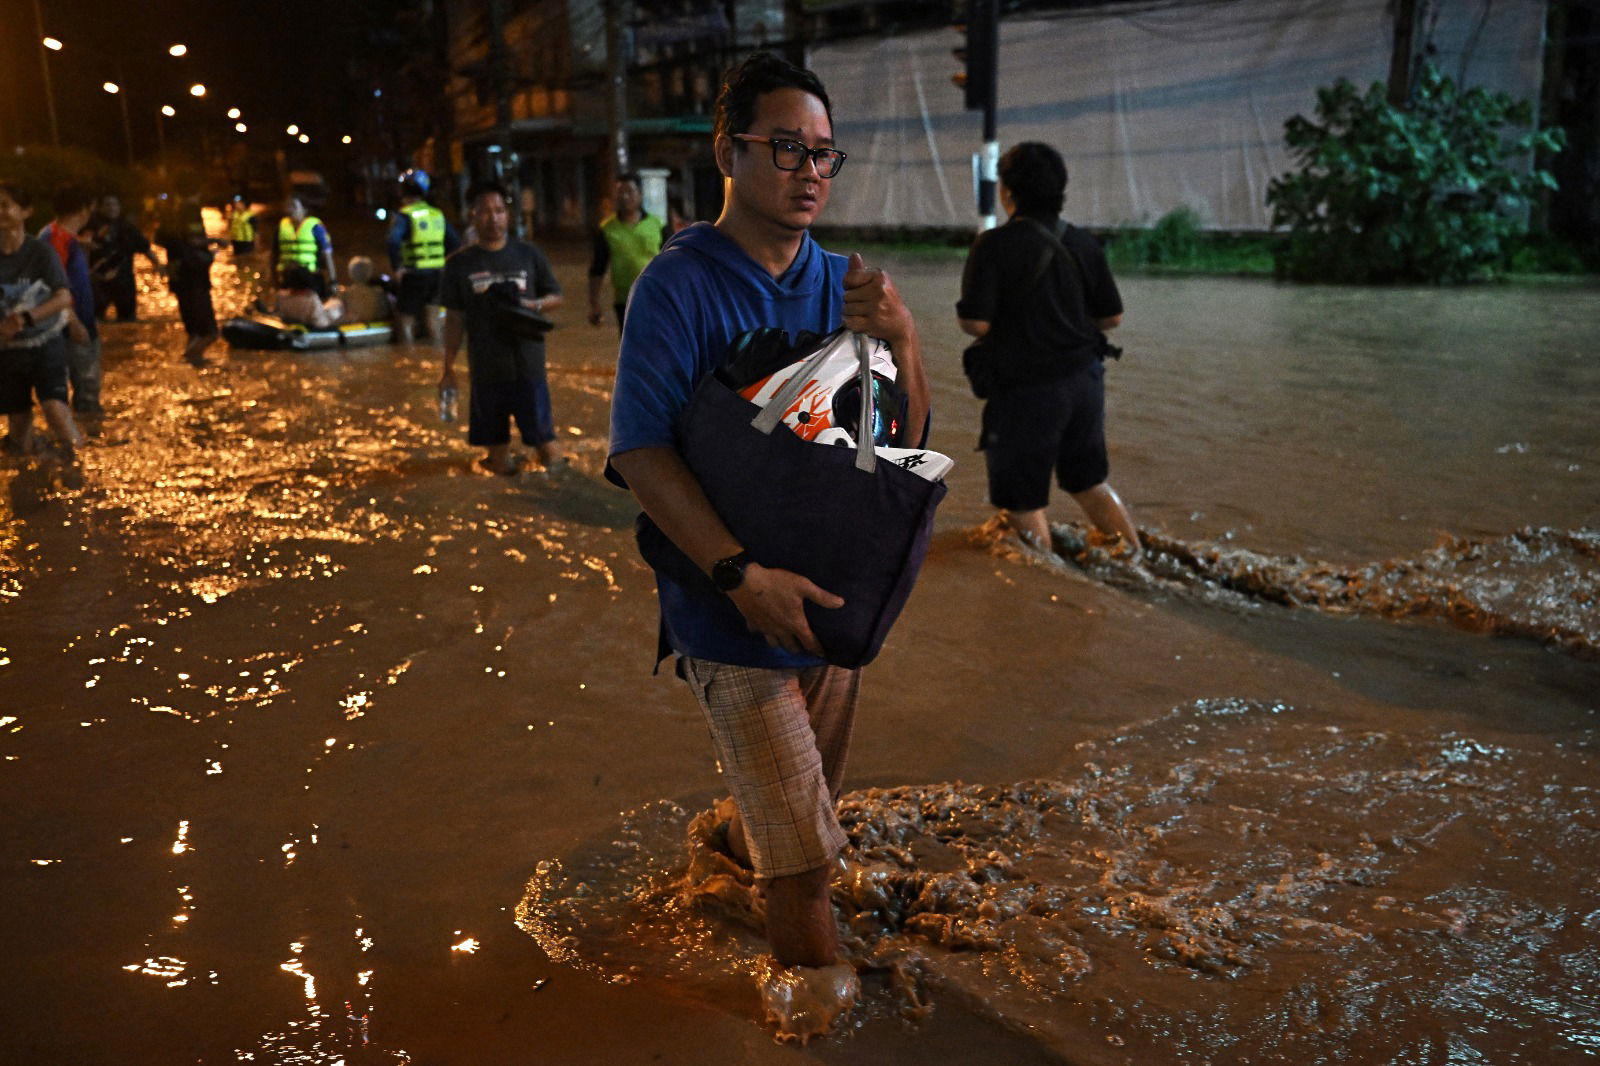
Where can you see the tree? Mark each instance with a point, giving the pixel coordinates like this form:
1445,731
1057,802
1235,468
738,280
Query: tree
1426,193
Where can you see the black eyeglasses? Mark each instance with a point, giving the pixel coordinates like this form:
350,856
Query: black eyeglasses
791,155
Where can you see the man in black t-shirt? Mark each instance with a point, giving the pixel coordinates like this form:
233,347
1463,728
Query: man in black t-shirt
35,306
1041,290
506,366
112,241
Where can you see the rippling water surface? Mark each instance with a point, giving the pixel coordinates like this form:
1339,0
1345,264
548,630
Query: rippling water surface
300,716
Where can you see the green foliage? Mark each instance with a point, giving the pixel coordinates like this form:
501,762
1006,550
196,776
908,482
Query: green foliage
43,170
1174,240
1176,243
1428,193
1543,253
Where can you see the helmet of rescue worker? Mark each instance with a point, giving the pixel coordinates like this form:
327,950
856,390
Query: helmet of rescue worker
414,182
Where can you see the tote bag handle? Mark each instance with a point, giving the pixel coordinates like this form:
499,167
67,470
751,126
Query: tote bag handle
769,417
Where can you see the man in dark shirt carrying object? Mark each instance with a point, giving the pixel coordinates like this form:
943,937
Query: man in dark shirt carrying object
1046,411
35,304
507,369
112,242
780,715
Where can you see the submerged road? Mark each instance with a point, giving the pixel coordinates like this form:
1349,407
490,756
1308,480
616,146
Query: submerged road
294,703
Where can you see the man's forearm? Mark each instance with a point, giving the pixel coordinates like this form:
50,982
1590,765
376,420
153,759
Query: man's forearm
670,494
453,332
58,301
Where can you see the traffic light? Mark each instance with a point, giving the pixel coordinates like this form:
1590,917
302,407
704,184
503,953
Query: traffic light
979,54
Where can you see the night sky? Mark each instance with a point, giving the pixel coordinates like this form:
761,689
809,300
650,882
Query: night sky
266,58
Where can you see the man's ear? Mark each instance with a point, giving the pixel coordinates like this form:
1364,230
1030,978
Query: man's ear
724,149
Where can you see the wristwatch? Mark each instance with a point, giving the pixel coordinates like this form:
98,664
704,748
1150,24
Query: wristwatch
728,574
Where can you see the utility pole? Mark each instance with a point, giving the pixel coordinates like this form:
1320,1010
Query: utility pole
617,73
979,81
507,167
1403,60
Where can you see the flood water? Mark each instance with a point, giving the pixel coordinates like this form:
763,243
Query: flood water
320,747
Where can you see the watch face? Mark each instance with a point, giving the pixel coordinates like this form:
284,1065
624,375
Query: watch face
728,574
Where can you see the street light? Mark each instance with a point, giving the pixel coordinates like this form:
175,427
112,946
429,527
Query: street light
292,130
197,89
52,44
233,112
240,126
345,139
168,110
305,138
178,50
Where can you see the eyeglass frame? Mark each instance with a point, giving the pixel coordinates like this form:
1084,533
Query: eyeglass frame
810,153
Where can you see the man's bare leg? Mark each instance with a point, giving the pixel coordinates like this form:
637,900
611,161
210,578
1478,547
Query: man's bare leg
800,923
1032,527
497,459
195,350
59,416
1108,513
405,328
20,432
550,454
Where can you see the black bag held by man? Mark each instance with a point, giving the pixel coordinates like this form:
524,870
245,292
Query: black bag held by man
855,524
514,319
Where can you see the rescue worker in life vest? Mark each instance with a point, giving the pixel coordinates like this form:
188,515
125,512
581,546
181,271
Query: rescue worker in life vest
418,244
303,240
241,226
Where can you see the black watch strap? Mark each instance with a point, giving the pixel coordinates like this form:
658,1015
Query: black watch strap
728,574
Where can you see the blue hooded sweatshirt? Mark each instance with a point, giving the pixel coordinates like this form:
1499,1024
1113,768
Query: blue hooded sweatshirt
686,309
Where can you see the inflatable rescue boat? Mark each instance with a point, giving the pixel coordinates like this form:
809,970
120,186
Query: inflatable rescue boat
268,332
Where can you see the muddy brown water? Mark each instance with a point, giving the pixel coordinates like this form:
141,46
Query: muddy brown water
298,711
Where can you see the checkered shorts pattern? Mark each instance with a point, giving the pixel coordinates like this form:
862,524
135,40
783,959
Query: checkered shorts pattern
781,737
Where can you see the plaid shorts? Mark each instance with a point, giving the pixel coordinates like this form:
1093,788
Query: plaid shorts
781,737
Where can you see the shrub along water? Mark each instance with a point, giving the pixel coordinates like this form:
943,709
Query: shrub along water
1436,191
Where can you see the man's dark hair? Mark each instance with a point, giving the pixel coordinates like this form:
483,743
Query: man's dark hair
1037,178
69,201
756,76
18,194
632,178
411,188
485,186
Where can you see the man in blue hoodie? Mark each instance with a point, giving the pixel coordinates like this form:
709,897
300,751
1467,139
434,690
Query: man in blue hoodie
780,716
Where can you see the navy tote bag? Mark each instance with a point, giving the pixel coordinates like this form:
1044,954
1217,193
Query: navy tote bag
853,522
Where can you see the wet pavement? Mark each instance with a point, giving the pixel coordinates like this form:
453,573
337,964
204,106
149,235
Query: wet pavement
295,705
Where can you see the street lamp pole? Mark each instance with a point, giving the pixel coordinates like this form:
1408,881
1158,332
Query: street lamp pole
44,63
127,127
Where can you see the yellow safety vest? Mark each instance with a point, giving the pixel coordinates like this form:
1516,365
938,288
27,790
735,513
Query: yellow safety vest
242,227
297,247
423,248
